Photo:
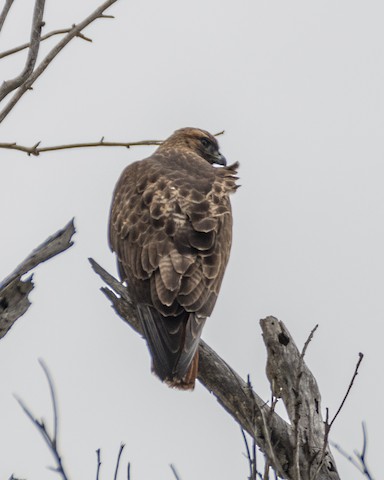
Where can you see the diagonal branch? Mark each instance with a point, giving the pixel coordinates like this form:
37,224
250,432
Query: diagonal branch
98,13
272,434
37,25
14,291
4,12
22,47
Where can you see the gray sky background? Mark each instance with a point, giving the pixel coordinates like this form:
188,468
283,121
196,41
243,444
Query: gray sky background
298,88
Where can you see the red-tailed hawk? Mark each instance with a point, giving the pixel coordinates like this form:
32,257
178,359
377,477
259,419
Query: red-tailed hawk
171,228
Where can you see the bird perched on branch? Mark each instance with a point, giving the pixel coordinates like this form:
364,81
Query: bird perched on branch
171,229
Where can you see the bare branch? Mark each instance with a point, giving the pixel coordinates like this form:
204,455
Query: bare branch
50,440
118,460
327,425
272,434
98,454
53,400
360,463
175,472
251,457
36,150
14,291
20,48
362,456
53,245
4,12
37,25
98,13
361,356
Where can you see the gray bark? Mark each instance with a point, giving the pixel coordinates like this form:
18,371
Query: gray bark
296,450
14,291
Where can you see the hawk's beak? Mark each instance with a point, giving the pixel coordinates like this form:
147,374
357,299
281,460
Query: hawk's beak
219,159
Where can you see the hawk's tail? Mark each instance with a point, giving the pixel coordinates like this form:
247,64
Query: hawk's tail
173,343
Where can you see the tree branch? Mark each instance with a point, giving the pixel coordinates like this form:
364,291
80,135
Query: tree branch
14,292
50,440
74,32
36,150
22,47
272,434
37,25
4,12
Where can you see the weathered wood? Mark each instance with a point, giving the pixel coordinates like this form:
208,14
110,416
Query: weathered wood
293,382
276,438
14,291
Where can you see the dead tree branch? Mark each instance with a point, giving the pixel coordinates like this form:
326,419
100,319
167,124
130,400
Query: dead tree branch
174,471
36,150
37,25
272,434
74,32
14,291
50,440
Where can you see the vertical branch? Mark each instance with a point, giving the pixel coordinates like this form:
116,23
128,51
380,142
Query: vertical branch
5,11
37,24
118,460
98,454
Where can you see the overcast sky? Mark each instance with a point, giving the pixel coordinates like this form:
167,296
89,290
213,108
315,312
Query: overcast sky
298,88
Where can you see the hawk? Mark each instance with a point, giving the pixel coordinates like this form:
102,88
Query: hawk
171,228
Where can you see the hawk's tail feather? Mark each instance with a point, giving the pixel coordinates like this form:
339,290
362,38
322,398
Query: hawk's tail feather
173,343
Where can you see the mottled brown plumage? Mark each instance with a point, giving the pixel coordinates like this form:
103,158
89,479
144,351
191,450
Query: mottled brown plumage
171,229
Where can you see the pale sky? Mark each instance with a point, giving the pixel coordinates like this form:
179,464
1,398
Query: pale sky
298,88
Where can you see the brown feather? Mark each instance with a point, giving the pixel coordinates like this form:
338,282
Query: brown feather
171,228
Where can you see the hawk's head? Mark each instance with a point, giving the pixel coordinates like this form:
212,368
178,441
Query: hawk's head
199,141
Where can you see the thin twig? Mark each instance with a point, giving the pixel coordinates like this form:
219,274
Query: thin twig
346,455
98,455
36,150
361,356
328,425
53,400
37,24
118,460
360,463
174,471
98,13
22,47
4,12
361,456
129,471
50,440
251,457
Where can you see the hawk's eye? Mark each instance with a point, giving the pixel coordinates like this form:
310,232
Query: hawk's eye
205,142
